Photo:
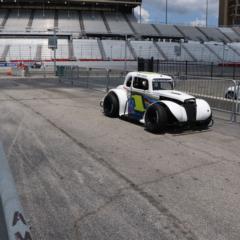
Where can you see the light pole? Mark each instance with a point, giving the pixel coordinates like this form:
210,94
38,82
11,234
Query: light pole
206,13
166,13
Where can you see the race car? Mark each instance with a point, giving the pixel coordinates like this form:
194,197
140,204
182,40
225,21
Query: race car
150,98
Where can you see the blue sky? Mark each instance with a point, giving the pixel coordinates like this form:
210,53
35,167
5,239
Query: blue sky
191,12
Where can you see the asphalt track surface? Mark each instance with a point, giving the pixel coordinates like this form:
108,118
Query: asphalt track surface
81,175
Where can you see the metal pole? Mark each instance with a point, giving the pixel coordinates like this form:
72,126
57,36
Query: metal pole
206,13
54,51
125,57
223,60
140,14
166,13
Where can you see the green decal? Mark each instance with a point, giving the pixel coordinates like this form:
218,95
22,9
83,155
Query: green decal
139,104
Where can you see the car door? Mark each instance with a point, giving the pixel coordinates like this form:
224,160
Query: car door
136,103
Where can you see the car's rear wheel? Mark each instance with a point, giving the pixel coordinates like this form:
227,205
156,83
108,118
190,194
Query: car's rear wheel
111,105
156,118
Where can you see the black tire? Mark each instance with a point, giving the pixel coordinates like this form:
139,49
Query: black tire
111,105
156,118
230,95
205,124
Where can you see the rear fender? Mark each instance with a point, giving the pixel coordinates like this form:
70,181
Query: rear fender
122,99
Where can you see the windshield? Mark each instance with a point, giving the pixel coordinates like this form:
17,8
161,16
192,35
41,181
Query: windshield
162,84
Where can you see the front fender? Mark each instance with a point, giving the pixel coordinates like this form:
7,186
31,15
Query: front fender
177,110
203,110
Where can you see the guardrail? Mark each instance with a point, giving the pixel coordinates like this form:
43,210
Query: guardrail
212,89
17,227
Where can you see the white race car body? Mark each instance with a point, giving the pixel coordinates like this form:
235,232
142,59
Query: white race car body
141,90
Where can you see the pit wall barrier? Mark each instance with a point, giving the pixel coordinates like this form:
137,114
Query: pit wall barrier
16,224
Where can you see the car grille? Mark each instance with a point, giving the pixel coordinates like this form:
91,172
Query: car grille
191,110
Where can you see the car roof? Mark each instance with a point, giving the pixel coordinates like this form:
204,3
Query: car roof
150,75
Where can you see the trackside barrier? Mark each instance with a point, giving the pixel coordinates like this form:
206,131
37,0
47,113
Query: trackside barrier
97,78
214,90
211,89
17,227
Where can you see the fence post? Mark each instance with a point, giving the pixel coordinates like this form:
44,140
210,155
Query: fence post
71,75
236,102
211,74
186,69
108,79
88,76
44,71
234,110
234,71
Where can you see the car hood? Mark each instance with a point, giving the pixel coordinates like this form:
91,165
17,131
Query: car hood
174,95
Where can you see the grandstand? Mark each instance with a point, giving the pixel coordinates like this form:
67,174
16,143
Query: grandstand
105,30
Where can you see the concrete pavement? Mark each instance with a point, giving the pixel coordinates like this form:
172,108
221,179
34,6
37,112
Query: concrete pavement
81,175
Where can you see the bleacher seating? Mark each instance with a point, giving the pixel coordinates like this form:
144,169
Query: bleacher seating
18,20
117,23
214,34
232,35
169,49
192,33
2,15
46,52
68,21
86,49
115,49
146,49
104,33
43,20
200,52
144,29
19,49
2,47
168,31
63,50
224,52
93,23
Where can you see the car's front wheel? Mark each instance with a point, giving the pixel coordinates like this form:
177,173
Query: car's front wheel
156,118
206,123
111,105
230,95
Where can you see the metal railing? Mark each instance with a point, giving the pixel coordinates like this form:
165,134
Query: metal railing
215,91
190,68
212,89
98,78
